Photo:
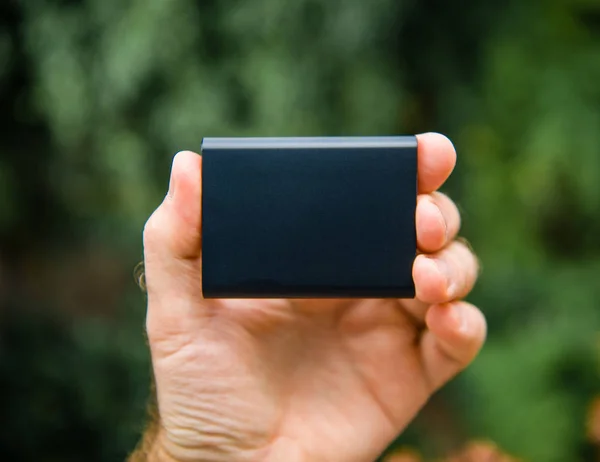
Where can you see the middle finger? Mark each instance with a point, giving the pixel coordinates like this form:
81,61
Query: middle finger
437,221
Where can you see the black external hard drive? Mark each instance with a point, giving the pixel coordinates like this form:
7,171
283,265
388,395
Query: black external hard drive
309,217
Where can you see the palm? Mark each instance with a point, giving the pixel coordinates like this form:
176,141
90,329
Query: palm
323,372
296,380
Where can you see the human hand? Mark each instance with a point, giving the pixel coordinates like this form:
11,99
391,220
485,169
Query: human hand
302,380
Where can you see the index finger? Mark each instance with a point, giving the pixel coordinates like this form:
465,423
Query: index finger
436,160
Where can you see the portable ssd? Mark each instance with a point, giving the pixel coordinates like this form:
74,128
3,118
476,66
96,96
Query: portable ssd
309,217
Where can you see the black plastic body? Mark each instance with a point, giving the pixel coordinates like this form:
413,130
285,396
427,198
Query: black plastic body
308,217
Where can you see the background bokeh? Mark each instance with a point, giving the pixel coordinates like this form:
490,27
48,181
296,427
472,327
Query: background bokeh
97,95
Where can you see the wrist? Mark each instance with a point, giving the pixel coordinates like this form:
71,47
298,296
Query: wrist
158,451
151,449
159,454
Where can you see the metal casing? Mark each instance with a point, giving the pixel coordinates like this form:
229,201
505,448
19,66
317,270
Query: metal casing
309,217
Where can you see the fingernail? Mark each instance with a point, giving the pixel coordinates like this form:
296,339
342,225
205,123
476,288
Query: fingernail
445,270
441,218
458,316
171,190
429,208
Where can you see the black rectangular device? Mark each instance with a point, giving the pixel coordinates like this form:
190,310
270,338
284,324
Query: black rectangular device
330,217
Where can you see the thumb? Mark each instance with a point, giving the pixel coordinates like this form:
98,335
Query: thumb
455,333
173,247
175,227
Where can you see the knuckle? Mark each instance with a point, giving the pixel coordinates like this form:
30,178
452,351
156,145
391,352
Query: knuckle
151,328
153,229
148,326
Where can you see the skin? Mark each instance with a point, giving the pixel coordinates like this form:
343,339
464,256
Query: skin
301,380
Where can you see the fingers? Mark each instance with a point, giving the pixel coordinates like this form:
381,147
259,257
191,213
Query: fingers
437,221
446,275
436,160
172,249
455,334
442,277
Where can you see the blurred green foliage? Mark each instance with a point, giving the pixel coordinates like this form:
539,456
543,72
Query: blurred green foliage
97,95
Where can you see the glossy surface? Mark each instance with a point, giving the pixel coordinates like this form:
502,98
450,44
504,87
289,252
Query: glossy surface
309,217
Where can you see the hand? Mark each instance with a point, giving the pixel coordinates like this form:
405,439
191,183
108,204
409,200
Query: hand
302,380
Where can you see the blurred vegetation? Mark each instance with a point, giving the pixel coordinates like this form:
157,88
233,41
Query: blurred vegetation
97,95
